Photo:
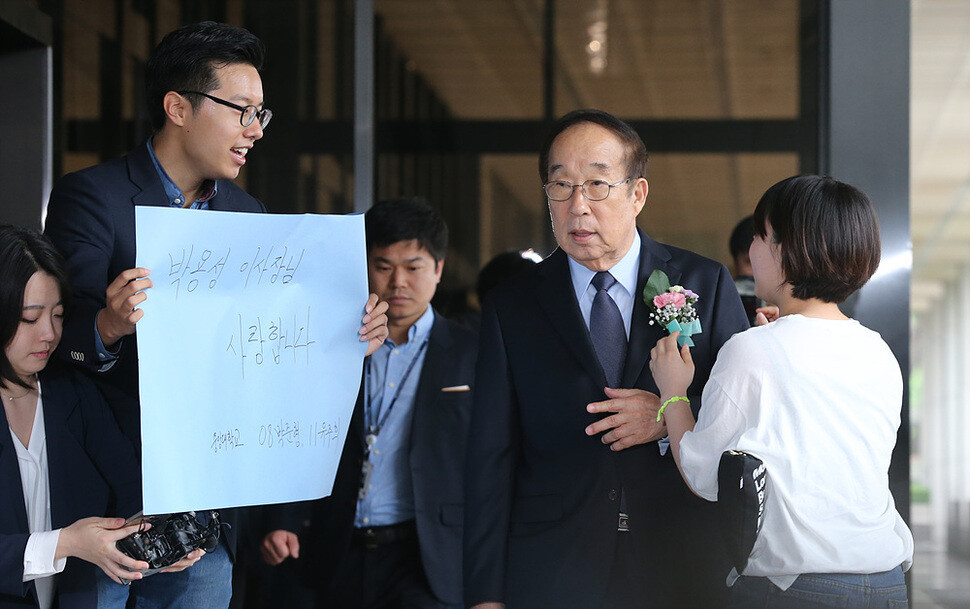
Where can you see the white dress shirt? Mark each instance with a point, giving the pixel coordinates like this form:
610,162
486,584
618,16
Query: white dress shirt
818,401
39,563
623,291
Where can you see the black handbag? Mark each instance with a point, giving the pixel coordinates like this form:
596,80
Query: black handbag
742,487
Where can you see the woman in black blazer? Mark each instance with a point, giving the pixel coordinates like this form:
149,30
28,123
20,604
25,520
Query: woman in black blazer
63,461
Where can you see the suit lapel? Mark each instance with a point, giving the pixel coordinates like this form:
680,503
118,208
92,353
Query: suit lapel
10,482
141,171
435,363
644,336
358,428
220,202
59,405
556,286
557,299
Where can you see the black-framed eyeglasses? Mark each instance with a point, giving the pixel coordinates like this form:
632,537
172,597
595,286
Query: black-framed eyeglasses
247,113
593,190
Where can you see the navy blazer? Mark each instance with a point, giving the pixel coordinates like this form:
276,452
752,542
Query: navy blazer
542,497
92,470
91,220
438,434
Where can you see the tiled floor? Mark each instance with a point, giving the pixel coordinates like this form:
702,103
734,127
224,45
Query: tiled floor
940,580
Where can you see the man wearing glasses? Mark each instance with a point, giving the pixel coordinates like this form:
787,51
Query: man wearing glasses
205,100
570,499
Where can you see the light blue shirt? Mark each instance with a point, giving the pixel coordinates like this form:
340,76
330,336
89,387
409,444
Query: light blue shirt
390,495
108,358
623,291
175,199
174,194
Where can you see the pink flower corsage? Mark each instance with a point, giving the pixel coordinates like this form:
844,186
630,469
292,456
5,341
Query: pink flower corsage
672,307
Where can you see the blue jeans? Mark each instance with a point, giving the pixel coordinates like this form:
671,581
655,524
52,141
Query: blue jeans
206,584
886,590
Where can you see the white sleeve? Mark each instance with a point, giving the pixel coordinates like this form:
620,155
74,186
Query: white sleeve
718,428
39,555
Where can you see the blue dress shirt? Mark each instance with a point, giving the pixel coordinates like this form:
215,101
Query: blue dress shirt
389,498
174,194
623,291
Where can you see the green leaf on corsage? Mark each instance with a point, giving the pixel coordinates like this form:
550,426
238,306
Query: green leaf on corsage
657,284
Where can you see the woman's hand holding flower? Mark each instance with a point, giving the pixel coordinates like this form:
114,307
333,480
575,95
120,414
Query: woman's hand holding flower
672,367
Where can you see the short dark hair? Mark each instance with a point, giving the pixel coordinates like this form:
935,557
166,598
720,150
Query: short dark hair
23,252
186,60
636,151
828,233
404,219
741,237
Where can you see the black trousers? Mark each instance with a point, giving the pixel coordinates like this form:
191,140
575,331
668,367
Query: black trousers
388,576
624,587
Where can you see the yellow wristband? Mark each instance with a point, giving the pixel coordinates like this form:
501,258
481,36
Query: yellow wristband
676,398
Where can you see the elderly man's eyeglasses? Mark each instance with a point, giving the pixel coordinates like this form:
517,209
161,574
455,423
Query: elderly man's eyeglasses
247,113
593,190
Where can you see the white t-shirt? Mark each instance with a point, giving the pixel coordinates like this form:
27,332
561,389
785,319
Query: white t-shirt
819,402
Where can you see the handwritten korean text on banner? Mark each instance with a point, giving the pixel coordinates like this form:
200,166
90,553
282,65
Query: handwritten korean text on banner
249,358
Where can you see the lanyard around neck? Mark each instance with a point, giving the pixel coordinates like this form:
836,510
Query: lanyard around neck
369,415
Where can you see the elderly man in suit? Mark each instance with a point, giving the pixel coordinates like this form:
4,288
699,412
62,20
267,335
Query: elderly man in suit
205,99
566,507
390,535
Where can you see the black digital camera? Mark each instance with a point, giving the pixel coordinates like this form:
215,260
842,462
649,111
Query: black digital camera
170,538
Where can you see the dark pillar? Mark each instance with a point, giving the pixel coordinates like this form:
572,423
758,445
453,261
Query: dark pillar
25,123
866,143
363,105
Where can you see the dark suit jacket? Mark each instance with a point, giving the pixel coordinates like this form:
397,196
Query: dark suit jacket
89,463
438,434
542,498
91,220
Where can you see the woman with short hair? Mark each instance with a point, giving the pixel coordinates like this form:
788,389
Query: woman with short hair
817,397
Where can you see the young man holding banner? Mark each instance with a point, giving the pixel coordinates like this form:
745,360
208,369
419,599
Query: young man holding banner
205,100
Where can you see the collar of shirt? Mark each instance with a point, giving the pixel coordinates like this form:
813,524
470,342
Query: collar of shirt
38,433
417,332
623,291
175,196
